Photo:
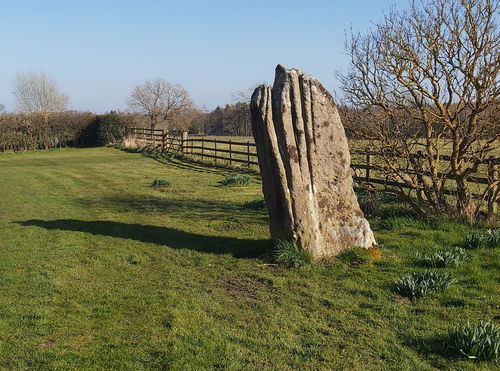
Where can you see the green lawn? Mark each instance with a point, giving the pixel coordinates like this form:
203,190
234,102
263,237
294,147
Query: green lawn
98,270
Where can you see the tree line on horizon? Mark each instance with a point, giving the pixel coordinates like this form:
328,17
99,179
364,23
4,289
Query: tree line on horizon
156,103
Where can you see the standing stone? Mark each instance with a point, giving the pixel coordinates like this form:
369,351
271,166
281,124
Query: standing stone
305,166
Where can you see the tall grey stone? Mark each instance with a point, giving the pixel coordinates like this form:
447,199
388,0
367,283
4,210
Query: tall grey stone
305,166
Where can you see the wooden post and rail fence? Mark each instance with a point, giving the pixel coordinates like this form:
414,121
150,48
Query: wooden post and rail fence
244,152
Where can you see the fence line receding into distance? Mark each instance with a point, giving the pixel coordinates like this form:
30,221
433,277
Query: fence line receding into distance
244,152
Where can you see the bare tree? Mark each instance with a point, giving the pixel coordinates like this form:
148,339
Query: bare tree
183,120
38,92
236,116
427,79
160,100
243,96
2,107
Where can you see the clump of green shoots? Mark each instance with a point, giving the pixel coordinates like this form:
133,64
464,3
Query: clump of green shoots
490,238
288,254
418,284
444,258
161,183
476,340
236,180
257,204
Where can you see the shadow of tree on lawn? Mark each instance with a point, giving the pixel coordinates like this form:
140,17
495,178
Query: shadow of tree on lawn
164,236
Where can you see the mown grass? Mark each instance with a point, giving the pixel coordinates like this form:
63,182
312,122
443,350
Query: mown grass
99,270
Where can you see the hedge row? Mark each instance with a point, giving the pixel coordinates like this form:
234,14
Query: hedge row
27,131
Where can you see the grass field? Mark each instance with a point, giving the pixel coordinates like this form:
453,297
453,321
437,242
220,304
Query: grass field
98,270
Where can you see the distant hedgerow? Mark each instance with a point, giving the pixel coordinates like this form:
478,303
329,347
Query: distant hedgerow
476,340
418,284
236,180
288,254
444,258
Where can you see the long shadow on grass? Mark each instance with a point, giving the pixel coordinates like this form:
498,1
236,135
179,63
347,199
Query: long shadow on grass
239,248
193,209
436,345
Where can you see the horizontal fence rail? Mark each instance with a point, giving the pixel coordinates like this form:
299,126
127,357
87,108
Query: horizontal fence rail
236,151
157,138
244,152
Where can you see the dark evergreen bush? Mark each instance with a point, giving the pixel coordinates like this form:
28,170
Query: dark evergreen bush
110,129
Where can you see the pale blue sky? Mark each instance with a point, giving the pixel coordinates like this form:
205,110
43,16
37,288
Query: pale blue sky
98,50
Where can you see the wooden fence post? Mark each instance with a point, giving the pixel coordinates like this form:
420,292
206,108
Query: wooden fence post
164,138
202,147
215,144
230,153
493,175
248,153
368,165
184,142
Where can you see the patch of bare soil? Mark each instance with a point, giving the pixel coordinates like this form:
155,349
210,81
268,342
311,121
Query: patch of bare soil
252,288
47,344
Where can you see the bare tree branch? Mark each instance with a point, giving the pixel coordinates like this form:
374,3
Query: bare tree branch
38,92
427,79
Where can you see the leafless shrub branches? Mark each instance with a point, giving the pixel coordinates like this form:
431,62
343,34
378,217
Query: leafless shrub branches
427,79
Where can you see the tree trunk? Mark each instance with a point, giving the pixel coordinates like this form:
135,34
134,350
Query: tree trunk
465,207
